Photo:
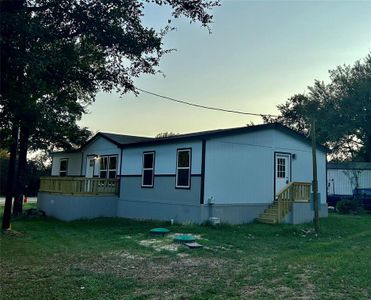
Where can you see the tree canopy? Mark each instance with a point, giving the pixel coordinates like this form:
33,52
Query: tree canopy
341,108
55,57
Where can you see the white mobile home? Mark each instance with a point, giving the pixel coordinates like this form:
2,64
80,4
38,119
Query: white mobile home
344,177
235,175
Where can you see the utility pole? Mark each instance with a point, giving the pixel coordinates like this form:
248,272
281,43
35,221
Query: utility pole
315,180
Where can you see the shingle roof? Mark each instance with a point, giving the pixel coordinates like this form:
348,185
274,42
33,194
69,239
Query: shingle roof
132,141
349,165
123,139
229,131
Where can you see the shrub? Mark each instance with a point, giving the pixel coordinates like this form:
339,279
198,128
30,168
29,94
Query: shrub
349,206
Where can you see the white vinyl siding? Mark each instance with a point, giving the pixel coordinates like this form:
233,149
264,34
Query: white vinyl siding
240,168
166,155
74,163
99,148
343,182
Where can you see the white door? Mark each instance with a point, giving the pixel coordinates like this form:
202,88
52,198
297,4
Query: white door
90,163
283,168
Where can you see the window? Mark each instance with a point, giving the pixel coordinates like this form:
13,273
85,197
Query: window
108,166
183,168
63,167
281,168
148,169
112,167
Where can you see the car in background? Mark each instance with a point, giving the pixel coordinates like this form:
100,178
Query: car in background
363,195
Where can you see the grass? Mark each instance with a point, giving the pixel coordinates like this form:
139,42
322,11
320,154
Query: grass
112,258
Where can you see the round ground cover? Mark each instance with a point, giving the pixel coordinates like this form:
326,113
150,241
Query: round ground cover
182,239
159,231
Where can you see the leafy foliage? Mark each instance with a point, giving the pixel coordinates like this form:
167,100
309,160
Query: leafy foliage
165,134
342,110
56,55
36,167
349,206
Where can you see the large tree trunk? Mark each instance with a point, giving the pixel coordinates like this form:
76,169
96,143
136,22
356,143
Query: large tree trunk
21,172
10,179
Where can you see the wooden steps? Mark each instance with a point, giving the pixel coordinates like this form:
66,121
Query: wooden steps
282,205
270,215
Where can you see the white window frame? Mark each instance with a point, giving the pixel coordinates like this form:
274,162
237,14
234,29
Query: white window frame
149,169
60,164
189,150
108,170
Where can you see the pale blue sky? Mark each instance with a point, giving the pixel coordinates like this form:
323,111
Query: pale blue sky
259,54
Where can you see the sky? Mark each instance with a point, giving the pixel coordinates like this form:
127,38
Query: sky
258,55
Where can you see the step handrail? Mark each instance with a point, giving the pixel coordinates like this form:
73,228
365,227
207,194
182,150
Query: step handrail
294,191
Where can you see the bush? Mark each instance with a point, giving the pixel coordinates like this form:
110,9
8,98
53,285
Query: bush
349,206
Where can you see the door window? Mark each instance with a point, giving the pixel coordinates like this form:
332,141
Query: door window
281,167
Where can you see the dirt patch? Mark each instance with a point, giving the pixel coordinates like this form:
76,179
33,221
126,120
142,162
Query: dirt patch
166,243
157,273
160,244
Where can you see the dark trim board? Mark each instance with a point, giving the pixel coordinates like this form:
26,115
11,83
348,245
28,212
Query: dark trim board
121,159
158,175
66,176
203,153
274,169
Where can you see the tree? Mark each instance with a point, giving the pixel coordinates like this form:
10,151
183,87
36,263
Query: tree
165,134
56,55
342,110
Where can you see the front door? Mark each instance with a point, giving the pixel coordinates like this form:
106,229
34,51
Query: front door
90,163
282,171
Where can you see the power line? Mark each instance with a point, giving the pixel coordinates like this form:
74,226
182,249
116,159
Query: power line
206,107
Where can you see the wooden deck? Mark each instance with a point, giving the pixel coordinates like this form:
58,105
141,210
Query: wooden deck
79,185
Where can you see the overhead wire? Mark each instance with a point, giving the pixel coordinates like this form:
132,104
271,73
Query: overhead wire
205,106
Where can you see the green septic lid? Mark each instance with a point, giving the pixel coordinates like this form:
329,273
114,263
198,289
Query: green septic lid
184,239
159,231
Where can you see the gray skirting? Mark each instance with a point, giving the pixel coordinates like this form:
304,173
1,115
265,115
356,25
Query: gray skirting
72,207
182,213
182,206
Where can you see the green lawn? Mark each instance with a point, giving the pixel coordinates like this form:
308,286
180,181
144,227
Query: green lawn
117,259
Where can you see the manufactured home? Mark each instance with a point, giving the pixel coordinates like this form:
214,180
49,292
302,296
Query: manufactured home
344,177
232,175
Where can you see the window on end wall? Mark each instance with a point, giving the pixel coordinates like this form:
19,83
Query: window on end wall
148,169
183,168
63,167
108,166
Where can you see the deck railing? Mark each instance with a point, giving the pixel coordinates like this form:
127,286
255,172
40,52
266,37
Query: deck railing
294,192
79,185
